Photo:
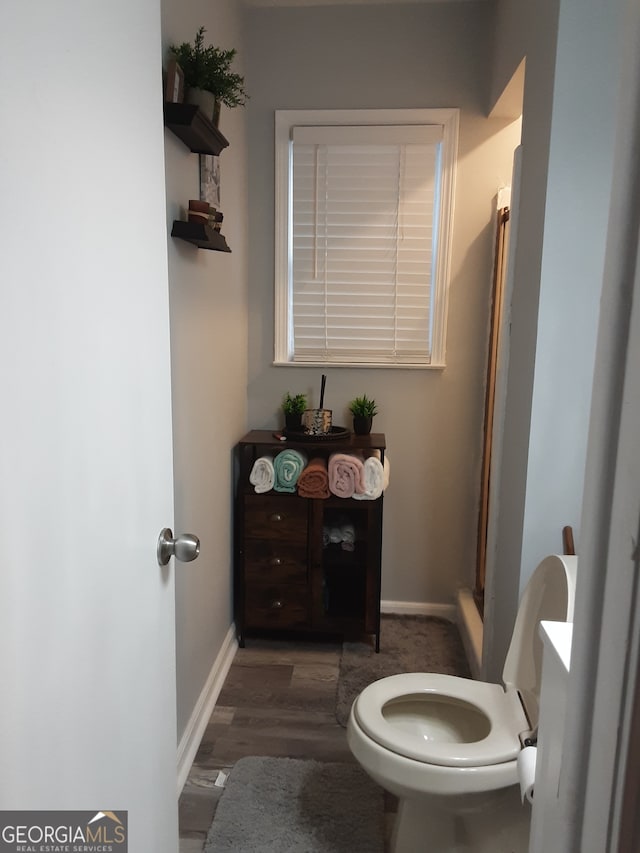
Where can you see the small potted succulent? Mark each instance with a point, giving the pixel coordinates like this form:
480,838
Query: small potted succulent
208,78
363,410
293,406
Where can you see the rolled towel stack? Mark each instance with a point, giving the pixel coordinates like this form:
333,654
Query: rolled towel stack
346,475
288,466
335,535
313,482
348,537
343,534
262,476
376,478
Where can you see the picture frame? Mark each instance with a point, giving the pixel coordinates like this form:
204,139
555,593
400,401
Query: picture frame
210,179
174,85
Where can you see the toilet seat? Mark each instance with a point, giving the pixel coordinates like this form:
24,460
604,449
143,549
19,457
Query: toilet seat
477,724
400,713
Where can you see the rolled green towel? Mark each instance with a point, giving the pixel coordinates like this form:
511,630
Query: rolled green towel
288,466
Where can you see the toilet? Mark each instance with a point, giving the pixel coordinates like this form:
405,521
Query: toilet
447,747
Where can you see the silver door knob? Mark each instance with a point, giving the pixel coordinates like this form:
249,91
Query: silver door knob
185,547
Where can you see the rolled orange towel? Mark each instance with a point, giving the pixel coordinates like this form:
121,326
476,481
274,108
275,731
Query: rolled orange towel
313,482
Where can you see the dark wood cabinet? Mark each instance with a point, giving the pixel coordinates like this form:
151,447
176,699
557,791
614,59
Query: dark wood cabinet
289,575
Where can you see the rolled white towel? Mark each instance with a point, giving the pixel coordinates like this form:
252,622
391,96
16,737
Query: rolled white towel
326,536
376,478
262,476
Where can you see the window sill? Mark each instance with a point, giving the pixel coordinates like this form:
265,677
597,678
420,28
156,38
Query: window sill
358,364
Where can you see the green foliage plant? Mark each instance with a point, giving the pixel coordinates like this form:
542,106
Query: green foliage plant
209,68
363,407
294,405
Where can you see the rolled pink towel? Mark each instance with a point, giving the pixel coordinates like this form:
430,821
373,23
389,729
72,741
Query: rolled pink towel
346,475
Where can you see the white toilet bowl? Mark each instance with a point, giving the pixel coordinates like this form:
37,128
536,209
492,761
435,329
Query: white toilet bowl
447,747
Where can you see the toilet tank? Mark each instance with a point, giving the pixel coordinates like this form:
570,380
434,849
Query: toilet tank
550,596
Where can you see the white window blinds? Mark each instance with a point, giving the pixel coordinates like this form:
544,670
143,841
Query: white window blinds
364,219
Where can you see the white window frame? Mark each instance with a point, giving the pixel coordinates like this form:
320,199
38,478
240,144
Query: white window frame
285,120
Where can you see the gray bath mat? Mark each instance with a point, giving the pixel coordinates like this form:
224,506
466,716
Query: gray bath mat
407,644
285,805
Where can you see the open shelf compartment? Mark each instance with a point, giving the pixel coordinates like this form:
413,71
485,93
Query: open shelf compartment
200,235
192,126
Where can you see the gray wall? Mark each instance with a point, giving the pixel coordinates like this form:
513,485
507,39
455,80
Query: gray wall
406,56
209,366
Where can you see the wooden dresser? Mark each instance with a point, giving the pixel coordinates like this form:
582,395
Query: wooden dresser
289,576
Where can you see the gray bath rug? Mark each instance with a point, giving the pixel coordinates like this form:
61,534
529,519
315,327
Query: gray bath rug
407,644
286,805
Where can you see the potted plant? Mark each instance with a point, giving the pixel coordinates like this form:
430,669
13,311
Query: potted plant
293,406
363,410
208,70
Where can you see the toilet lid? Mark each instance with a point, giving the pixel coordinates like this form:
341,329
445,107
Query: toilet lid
550,595
442,719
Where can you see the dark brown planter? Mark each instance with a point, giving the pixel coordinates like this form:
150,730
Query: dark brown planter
362,425
293,421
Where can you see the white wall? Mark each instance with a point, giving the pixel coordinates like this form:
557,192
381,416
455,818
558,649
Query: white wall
522,30
566,169
405,56
575,234
209,365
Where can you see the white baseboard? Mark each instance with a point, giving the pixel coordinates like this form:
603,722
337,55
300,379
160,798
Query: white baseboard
190,740
471,630
420,608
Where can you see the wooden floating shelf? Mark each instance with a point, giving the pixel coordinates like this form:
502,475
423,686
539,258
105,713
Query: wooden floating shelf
194,129
200,235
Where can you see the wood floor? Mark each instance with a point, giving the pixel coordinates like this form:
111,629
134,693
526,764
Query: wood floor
278,700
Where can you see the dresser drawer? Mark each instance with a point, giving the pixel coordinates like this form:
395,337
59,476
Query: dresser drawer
271,561
276,606
282,518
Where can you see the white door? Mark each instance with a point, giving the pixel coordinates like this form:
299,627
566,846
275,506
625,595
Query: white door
87,663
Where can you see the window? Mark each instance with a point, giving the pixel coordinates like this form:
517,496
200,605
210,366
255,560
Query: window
364,203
